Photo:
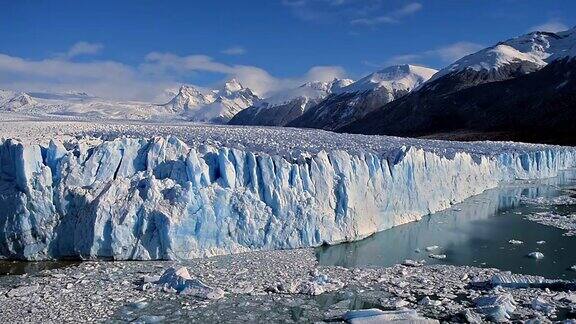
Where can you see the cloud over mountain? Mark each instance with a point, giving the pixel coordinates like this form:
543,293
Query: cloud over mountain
144,81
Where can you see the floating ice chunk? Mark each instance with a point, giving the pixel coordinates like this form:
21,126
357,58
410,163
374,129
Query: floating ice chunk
573,268
23,291
426,301
513,241
150,279
437,256
551,201
412,263
536,255
510,280
472,317
540,304
317,285
140,304
432,248
498,308
180,280
564,222
566,297
541,242
242,288
375,316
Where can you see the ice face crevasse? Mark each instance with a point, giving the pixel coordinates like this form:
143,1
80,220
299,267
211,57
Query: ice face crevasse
159,198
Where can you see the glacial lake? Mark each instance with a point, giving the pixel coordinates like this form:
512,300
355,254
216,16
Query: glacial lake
477,233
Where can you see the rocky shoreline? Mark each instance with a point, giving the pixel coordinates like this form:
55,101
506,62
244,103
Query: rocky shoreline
278,286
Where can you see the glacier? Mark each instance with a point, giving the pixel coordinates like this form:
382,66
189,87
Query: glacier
160,197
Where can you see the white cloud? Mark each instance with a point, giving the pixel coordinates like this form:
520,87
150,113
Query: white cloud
101,78
408,9
356,12
148,80
446,54
403,59
253,77
83,48
324,73
552,26
456,51
390,18
234,50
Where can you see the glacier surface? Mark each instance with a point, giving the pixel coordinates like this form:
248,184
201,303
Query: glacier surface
159,196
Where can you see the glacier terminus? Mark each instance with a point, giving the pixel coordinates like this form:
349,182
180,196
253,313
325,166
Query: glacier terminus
126,191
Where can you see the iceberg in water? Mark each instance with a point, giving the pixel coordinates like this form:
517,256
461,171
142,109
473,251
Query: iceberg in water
161,198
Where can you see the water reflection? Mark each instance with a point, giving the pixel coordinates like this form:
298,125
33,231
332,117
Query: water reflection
475,232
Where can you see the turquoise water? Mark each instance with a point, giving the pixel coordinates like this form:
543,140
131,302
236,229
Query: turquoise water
476,233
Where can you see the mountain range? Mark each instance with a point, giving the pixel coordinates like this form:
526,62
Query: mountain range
284,107
217,106
520,89
188,104
363,96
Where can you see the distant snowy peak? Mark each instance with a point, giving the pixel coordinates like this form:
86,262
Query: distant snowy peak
234,91
218,105
309,91
187,98
398,77
565,45
285,106
17,101
6,95
534,50
232,86
339,84
357,99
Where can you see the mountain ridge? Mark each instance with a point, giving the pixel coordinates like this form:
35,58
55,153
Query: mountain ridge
363,96
488,96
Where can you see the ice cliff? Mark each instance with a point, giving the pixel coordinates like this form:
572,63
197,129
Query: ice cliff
160,198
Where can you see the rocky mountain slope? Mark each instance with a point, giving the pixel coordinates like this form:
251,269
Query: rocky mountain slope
335,104
521,89
286,106
364,96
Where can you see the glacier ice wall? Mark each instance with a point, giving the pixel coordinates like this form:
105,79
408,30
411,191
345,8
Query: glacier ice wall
158,198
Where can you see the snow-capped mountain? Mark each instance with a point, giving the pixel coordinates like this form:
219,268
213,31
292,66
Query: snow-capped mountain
509,59
394,79
189,103
218,105
187,98
14,101
77,105
521,89
20,101
283,107
364,96
310,91
6,95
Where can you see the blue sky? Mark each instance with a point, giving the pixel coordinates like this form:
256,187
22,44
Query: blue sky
135,49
